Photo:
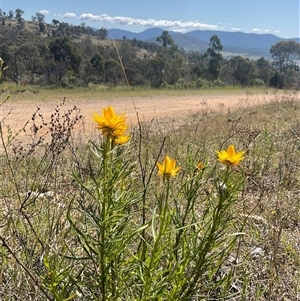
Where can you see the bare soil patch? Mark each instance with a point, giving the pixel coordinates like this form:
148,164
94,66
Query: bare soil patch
147,108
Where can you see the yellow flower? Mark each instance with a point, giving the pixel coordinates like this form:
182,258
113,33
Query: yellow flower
229,157
168,167
110,124
200,166
122,139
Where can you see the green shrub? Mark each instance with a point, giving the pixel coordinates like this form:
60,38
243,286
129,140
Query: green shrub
202,83
218,83
258,82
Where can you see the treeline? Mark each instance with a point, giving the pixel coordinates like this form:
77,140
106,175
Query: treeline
64,55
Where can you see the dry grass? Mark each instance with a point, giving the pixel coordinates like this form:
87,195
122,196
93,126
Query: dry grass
37,187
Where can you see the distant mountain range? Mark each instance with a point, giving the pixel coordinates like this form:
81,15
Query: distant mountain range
234,43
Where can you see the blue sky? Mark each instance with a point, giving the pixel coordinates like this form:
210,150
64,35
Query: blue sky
279,17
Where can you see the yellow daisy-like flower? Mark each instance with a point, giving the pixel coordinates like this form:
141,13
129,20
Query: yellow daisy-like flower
122,139
229,157
111,124
200,166
168,167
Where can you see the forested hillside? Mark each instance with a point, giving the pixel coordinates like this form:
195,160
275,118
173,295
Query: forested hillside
60,54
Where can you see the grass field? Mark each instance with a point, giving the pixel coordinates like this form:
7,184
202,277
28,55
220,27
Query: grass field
95,221
47,93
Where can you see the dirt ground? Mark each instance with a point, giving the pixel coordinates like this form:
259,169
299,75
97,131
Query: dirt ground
17,112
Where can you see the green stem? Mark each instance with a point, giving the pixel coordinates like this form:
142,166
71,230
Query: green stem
216,220
106,151
163,208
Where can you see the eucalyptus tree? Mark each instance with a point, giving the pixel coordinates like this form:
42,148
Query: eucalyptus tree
242,70
285,55
102,32
55,22
215,57
197,63
40,17
66,57
264,69
156,71
97,64
18,15
166,66
16,65
10,15
47,65
113,71
165,39
29,56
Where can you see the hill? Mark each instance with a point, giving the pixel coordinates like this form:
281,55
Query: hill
234,43
245,44
65,55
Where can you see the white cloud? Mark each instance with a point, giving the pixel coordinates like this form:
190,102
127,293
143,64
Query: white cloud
258,30
174,25
44,12
180,30
235,29
277,31
69,15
